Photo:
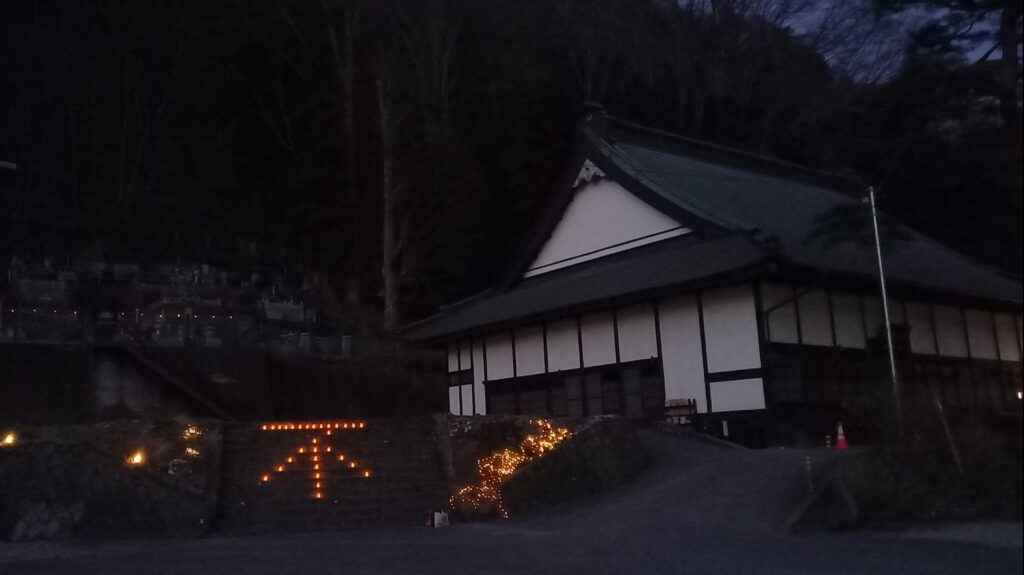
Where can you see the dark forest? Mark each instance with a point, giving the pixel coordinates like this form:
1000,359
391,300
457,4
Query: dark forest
400,149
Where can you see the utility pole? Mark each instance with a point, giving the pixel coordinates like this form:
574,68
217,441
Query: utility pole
885,313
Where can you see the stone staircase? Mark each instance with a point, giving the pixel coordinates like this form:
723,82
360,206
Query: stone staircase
324,475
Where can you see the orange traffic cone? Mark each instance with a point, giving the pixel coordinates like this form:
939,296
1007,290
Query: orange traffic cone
841,438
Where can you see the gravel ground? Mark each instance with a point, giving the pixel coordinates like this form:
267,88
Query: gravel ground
700,509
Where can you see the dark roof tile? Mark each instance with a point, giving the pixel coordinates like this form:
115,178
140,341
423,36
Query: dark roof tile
670,263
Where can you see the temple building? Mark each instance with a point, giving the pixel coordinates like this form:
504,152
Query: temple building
668,273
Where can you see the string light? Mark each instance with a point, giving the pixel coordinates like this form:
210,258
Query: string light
312,425
497,467
10,439
313,449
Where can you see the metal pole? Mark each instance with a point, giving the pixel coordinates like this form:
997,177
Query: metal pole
885,312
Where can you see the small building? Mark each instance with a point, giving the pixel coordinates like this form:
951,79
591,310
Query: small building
670,272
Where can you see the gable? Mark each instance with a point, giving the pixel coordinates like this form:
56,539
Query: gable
603,218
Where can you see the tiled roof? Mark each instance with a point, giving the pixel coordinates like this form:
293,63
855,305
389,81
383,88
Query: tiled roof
789,208
671,263
790,211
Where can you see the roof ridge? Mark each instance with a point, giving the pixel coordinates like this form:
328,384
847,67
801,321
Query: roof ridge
731,157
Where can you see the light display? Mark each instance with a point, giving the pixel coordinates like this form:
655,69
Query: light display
327,426
10,439
500,465
307,457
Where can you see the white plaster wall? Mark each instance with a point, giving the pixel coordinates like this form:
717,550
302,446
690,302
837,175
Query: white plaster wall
467,399
563,345
848,321
478,377
529,350
499,355
873,318
637,339
782,320
603,218
738,395
453,401
465,355
598,339
949,327
815,321
730,329
922,333
1007,337
453,357
981,334
680,345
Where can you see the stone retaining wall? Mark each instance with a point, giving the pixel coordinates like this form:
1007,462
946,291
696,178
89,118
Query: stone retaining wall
75,482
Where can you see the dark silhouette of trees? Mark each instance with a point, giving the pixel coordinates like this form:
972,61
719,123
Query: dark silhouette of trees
400,148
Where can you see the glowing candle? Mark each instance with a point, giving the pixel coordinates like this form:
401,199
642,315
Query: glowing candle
137,458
